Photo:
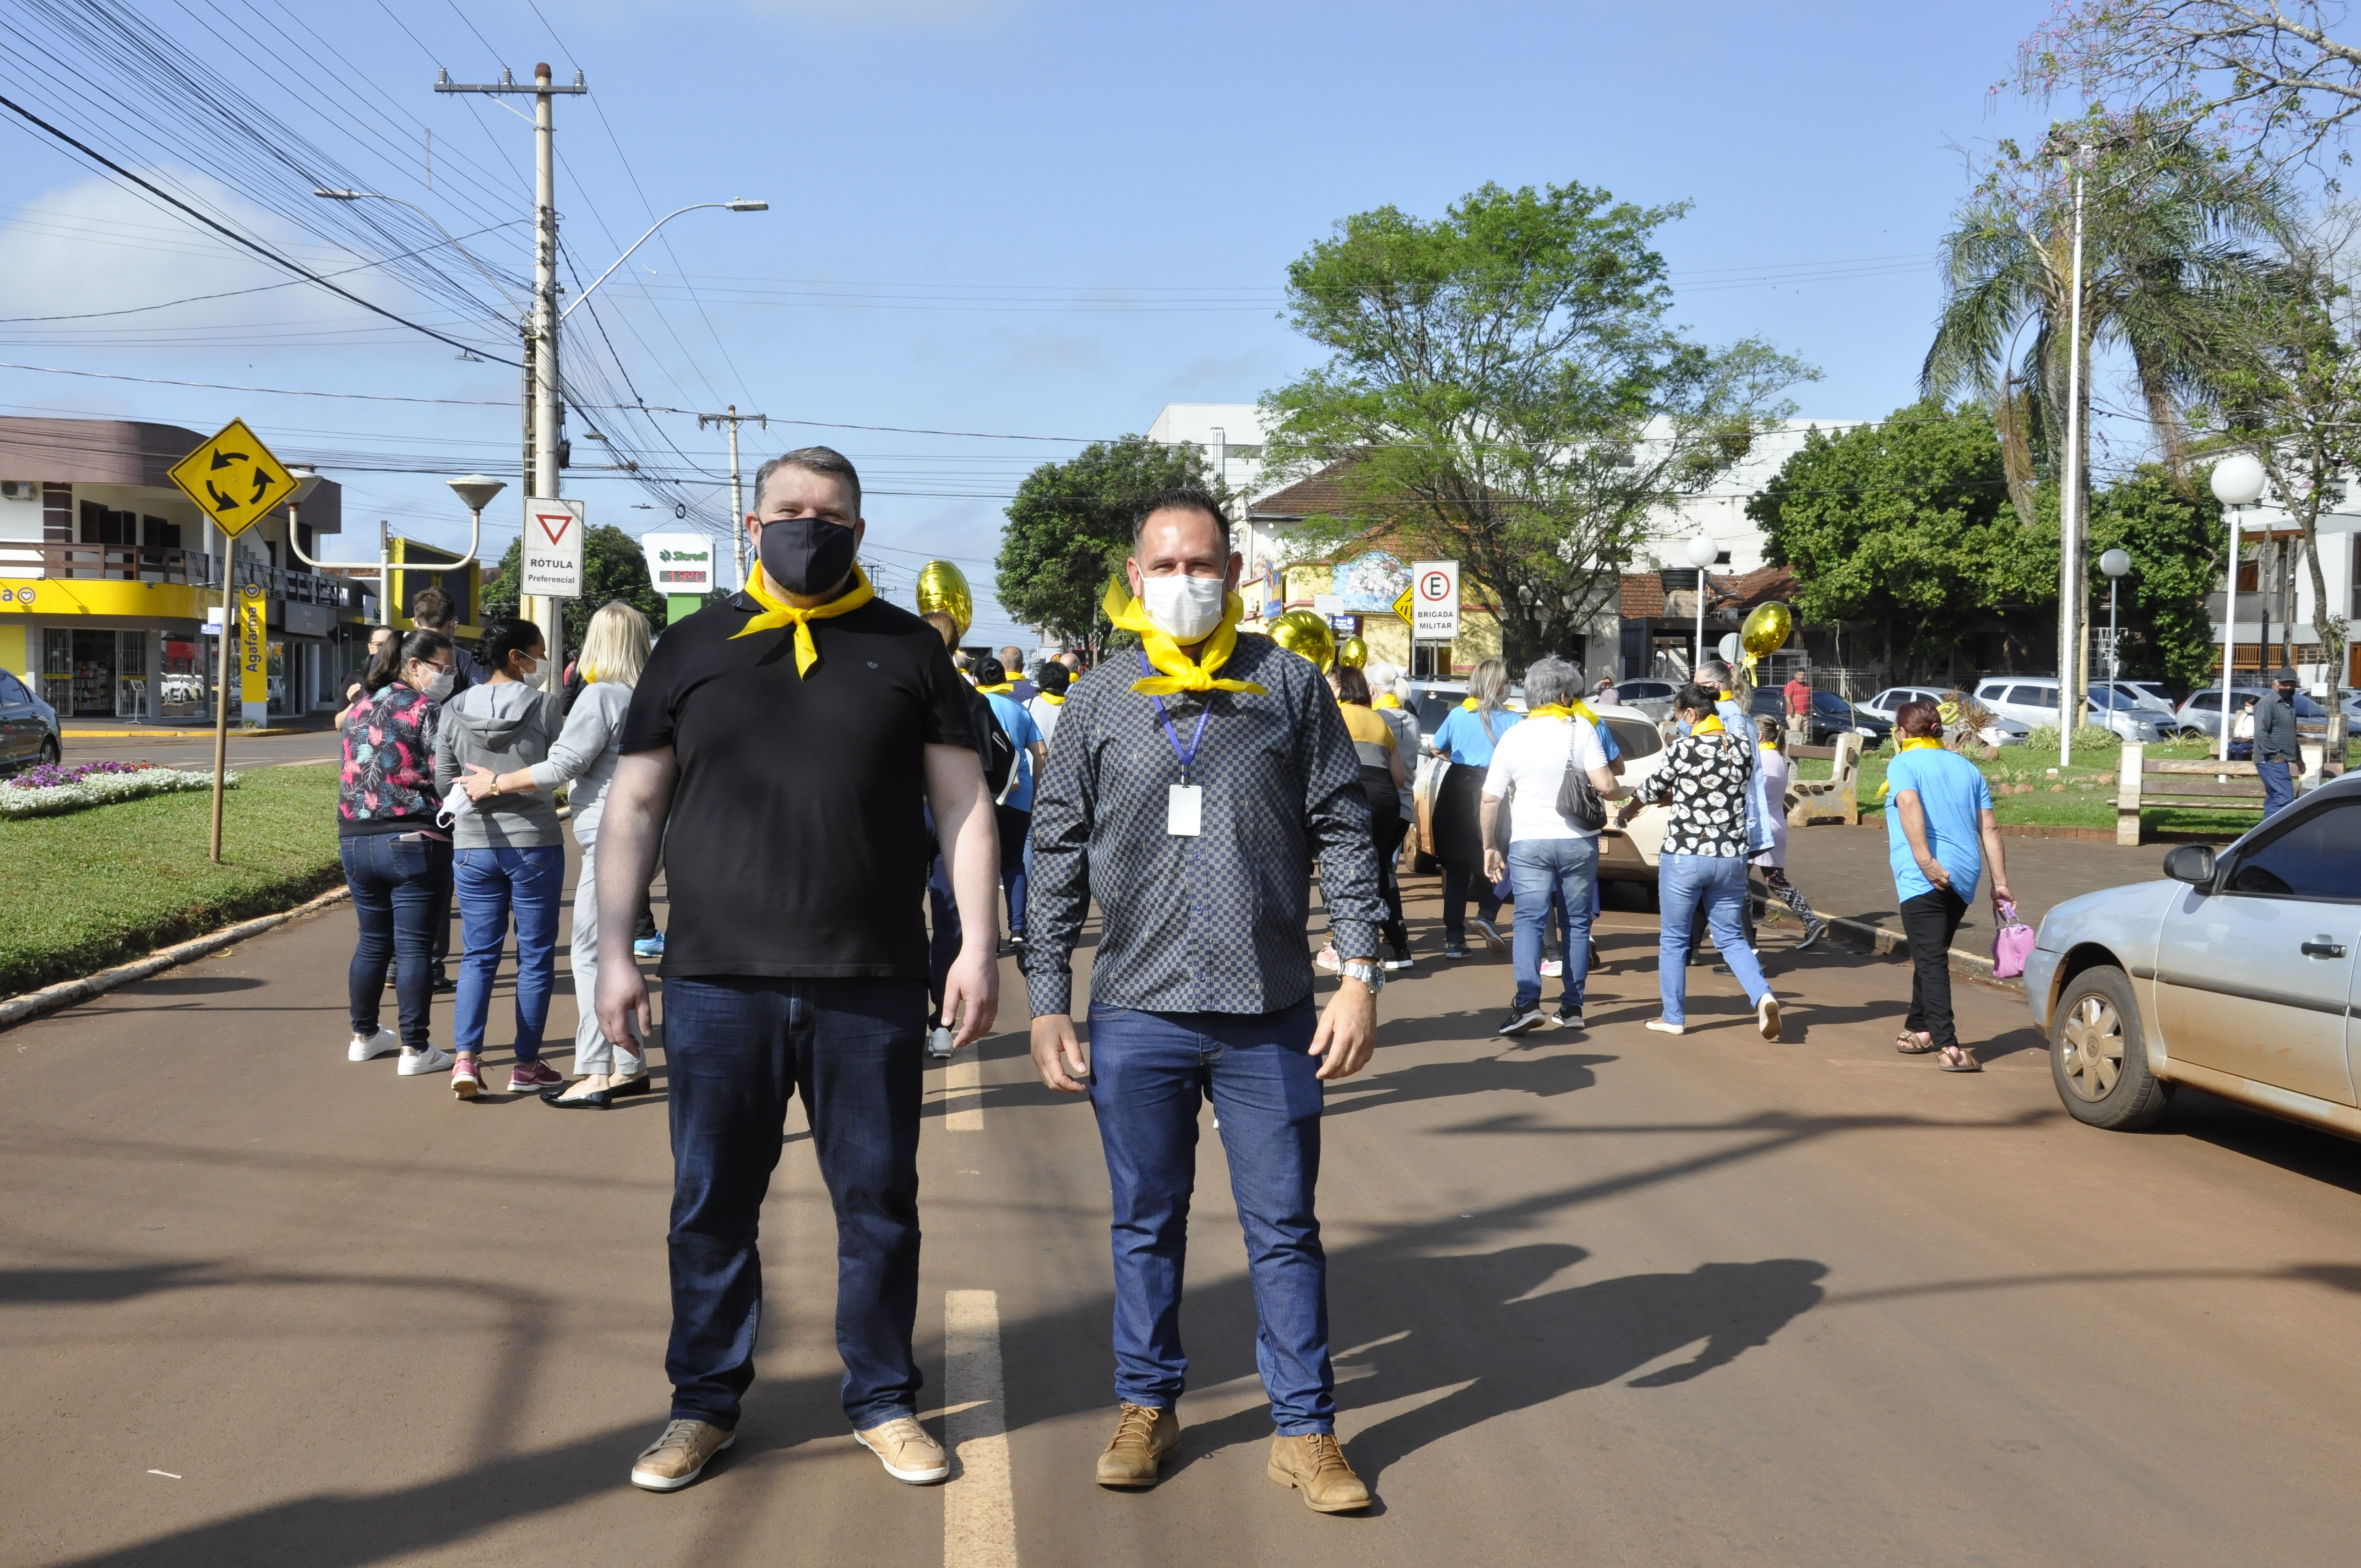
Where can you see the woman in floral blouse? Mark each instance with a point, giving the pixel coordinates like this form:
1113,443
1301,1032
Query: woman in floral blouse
1703,777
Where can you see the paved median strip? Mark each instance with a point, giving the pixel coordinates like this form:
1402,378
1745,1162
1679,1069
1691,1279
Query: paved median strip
979,1508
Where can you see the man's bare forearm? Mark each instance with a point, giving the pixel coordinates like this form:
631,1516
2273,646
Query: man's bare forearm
630,831
1491,821
970,838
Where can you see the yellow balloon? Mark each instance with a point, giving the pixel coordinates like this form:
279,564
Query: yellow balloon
1353,654
1766,629
943,586
1303,633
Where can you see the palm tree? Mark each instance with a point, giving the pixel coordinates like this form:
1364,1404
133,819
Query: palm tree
2172,235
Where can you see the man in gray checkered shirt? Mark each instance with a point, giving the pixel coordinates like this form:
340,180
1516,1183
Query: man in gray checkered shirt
1191,784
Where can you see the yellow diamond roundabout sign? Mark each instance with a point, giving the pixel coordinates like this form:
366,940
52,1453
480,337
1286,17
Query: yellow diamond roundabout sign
234,478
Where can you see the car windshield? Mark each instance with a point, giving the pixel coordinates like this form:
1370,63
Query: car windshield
1634,739
1828,702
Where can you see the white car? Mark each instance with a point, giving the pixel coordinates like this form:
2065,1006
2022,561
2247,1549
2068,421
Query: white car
1630,854
2146,693
2235,977
2000,731
2032,700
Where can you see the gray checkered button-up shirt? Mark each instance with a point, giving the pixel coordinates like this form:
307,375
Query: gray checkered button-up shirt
1214,923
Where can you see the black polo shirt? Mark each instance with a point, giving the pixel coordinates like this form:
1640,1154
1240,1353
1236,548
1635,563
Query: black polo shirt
796,847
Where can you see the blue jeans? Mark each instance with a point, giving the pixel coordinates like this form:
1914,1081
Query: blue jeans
2279,786
397,882
1719,884
1563,872
491,883
1150,1072
738,1048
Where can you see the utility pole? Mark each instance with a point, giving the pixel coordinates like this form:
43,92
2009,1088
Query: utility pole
2069,565
542,446
733,419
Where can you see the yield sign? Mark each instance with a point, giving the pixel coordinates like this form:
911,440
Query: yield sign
551,549
234,479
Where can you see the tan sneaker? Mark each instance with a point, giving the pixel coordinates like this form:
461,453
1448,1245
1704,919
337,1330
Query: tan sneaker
1315,1465
1142,1438
679,1456
1766,1016
908,1454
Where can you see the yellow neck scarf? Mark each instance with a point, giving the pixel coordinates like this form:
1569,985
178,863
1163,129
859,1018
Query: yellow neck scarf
1574,709
1386,699
1001,688
1468,703
1710,724
1179,673
1910,743
1053,699
775,614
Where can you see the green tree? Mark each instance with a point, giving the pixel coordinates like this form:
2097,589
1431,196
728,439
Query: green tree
1070,528
1504,388
613,568
1904,529
2174,538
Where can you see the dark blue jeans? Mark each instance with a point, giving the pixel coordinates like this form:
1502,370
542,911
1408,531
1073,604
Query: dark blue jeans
491,884
1150,1072
738,1048
942,935
1016,832
2279,786
397,882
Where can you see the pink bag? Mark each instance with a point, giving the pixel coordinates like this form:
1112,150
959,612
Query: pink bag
2011,944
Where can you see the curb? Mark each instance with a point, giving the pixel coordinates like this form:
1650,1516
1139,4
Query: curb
65,993
1887,943
180,734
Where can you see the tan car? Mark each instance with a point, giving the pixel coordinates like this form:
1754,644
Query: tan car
1629,854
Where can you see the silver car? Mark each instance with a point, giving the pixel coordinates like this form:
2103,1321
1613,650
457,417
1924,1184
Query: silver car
2000,731
2235,976
2033,700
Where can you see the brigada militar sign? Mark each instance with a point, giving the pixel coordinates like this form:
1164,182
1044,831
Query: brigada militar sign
234,479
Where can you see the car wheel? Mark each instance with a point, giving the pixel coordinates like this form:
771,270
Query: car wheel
2098,1054
49,752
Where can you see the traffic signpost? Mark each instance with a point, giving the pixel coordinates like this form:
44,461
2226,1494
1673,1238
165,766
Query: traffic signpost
1433,609
237,482
552,552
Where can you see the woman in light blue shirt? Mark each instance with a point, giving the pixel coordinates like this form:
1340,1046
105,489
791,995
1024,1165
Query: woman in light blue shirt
1465,739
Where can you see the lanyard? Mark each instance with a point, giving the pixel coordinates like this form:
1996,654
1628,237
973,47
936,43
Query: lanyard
1172,734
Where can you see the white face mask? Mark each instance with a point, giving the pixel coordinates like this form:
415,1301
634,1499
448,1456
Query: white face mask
1184,609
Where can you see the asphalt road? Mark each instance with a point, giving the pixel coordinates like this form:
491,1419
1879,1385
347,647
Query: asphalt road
266,751
1611,1298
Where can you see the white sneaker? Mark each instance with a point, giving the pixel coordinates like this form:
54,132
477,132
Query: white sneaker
433,1059
1664,1027
938,1043
1766,1016
367,1047
1551,968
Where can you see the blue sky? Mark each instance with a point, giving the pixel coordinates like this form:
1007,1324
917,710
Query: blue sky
991,216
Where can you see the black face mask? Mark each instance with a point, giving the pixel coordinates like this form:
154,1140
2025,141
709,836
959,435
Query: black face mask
807,555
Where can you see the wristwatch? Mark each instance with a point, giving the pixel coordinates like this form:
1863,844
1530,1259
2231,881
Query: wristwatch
1367,973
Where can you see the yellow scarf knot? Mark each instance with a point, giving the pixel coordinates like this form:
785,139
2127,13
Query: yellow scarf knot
1468,703
1911,744
775,614
1179,673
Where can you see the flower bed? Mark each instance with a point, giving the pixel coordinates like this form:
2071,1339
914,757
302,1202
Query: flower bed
51,791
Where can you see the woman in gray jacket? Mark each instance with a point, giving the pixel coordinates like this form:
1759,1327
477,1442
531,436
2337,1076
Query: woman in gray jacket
613,653
507,855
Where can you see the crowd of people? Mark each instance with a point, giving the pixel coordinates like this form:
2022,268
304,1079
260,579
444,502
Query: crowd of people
805,759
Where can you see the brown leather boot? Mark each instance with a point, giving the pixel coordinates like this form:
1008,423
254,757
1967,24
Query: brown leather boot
1142,1438
1315,1465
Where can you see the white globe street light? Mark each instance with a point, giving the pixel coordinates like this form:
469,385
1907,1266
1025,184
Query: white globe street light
1703,552
2114,563
2237,484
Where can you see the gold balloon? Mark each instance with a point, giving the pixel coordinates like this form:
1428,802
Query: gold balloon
1301,632
943,586
1766,629
1353,654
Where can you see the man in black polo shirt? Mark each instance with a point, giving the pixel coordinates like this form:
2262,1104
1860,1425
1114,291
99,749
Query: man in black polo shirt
781,745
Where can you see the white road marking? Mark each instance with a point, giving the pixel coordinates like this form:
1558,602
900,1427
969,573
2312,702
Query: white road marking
166,1474
962,1077
979,1510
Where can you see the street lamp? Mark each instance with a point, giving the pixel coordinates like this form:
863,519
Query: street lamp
475,491
1703,552
2237,484
2114,563
738,206
325,194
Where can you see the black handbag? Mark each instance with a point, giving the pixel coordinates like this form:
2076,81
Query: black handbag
1578,797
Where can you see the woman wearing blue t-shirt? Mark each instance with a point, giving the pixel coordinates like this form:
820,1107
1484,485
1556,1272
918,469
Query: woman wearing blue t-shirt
1465,739
1940,831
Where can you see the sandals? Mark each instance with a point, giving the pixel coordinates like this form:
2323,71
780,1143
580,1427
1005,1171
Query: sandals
1913,1043
1965,1060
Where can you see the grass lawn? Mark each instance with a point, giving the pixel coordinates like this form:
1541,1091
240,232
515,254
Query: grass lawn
108,884
2029,788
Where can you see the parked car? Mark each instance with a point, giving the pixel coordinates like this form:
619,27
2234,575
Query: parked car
2235,976
1831,717
1651,697
2000,731
2033,700
2139,694
28,727
1630,853
2202,714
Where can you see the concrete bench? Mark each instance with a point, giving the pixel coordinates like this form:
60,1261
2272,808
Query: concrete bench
2196,784
1836,798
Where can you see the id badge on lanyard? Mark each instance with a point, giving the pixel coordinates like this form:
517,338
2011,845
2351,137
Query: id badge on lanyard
1184,803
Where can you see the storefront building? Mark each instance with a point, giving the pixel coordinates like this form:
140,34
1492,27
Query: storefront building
111,579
